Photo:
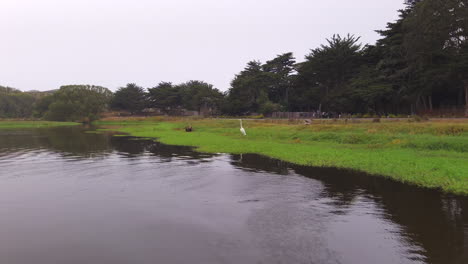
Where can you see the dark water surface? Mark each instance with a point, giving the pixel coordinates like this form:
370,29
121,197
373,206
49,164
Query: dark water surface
69,197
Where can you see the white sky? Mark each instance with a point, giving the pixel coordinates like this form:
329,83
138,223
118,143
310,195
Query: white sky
48,43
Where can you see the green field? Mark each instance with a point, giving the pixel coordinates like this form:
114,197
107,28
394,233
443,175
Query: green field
429,154
33,124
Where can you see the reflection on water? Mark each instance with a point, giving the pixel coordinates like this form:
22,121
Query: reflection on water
67,196
437,223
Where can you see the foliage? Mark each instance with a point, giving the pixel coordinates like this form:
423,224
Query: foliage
15,104
269,107
165,96
263,88
81,103
331,67
130,98
419,64
280,71
42,106
437,42
248,90
199,95
191,95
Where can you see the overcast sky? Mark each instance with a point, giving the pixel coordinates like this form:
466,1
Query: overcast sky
48,43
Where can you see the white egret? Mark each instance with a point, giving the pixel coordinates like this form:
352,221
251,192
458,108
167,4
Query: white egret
242,130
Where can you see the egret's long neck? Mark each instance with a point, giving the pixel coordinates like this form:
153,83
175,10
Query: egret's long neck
240,122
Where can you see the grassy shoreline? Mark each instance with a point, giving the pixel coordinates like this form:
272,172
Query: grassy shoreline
4,124
428,154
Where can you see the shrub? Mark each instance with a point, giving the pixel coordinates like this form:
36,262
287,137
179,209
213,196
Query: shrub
81,103
255,116
450,131
420,118
269,107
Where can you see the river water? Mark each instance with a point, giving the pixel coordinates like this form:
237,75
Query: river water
68,196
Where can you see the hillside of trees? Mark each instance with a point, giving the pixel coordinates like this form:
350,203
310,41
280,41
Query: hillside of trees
14,103
418,66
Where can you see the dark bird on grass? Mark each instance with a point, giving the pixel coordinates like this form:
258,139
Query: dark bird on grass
188,128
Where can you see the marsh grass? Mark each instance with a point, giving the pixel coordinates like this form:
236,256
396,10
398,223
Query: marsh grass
429,154
4,124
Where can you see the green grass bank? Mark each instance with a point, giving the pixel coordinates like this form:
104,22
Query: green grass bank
428,154
4,124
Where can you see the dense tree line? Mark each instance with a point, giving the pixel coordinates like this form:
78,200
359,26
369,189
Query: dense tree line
82,103
85,103
15,104
419,64
168,98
